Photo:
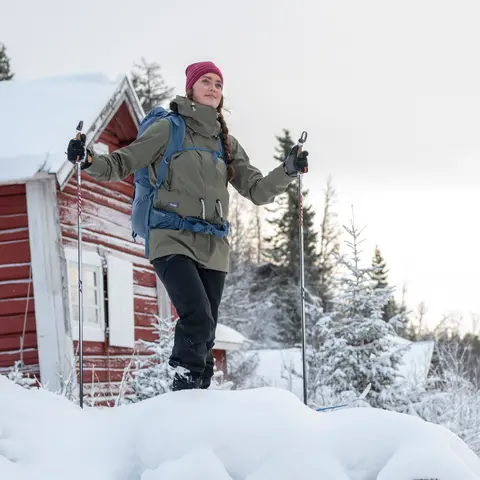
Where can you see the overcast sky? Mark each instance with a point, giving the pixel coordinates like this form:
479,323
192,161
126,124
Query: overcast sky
388,92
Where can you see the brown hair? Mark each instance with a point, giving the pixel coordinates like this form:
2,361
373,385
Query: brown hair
225,139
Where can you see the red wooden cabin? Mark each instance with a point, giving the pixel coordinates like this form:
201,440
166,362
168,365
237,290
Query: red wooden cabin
38,237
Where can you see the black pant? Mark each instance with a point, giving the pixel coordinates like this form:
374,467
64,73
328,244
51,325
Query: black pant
196,294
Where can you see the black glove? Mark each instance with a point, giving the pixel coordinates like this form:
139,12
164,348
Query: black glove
76,151
296,162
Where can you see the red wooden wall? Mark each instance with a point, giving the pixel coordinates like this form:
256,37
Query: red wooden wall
17,308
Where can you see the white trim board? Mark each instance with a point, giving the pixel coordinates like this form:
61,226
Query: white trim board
55,346
121,312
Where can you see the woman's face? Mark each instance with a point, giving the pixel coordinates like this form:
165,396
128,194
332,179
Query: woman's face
208,90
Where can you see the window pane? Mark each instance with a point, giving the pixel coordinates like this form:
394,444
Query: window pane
89,277
91,297
92,316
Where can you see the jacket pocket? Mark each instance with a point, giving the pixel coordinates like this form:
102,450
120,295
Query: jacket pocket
185,175
180,203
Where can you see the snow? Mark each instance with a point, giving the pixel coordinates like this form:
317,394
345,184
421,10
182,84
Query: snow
282,368
416,359
276,368
258,434
38,117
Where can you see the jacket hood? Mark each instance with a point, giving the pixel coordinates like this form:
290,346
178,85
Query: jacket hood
200,119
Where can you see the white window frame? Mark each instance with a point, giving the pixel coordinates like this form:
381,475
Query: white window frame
91,333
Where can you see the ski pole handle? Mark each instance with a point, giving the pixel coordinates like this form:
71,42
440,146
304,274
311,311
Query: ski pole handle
82,137
301,141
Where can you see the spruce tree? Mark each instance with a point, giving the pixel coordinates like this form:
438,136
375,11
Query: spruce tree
283,251
380,272
5,72
284,245
329,249
150,85
353,346
380,278
152,374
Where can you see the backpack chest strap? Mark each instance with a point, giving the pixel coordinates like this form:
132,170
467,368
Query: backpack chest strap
215,153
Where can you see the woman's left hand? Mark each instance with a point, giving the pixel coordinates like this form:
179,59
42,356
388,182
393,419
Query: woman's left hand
296,162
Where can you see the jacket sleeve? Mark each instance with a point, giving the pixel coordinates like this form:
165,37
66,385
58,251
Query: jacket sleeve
139,154
250,182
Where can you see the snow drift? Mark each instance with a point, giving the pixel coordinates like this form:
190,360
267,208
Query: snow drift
259,434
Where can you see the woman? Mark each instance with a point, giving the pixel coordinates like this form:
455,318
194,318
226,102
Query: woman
193,266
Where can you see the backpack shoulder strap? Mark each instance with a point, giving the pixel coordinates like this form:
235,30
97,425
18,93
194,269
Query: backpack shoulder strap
175,144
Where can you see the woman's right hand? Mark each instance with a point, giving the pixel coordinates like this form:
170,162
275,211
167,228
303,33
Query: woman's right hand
76,151
76,148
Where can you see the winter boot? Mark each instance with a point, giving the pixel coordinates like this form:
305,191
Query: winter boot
206,378
208,372
185,379
205,383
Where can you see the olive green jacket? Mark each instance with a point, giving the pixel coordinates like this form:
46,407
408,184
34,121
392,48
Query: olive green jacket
192,176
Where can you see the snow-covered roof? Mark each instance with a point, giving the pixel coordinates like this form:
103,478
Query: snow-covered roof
226,338
38,117
416,359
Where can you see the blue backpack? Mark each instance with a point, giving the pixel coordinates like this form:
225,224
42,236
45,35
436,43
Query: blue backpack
144,215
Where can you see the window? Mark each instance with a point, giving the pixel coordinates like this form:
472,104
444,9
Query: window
93,295
117,281
92,308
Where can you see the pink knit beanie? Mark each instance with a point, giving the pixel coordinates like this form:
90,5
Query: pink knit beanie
196,70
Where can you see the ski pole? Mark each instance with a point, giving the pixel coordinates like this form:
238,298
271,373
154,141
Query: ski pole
301,141
81,137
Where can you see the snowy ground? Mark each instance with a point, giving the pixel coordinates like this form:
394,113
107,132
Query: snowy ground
262,434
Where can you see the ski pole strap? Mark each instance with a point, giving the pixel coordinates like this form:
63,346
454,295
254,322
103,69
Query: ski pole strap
303,138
